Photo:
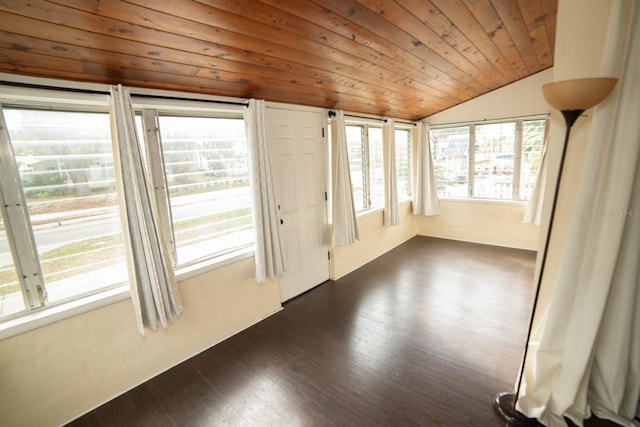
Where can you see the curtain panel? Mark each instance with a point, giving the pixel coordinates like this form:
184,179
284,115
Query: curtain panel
533,212
345,225
268,250
391,206
585,354
425,196
154,289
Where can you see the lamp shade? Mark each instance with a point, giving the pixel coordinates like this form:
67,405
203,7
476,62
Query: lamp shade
578,94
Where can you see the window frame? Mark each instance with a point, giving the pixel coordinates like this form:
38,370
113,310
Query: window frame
19,230
517,157
366,164
151,110
365,125
409,129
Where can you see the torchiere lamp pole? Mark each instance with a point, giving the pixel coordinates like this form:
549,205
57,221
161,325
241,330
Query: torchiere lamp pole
571,98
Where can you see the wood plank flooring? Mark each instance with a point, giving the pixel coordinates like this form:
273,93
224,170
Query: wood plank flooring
424,335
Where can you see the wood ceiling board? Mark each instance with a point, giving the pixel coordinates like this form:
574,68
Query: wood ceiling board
402,58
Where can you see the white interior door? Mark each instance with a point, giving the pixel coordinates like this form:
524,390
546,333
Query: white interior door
297,153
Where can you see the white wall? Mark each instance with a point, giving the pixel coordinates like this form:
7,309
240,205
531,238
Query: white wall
522,98
488,223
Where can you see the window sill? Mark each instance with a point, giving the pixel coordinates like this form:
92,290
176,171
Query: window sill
368,212
202,267
373,211
35,319
485,201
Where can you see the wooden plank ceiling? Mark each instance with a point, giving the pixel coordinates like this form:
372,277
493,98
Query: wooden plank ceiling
400,58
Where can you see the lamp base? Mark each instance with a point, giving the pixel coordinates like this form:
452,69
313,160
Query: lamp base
505,405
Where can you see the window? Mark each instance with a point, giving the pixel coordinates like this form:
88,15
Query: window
450,148
376,167
531,157
357,166
487,160
60,233
207,176
403,163
64,161
493,160
364,145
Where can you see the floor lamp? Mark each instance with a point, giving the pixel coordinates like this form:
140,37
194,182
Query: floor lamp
571,98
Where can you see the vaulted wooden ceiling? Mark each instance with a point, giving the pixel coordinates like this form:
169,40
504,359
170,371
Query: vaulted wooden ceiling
401,58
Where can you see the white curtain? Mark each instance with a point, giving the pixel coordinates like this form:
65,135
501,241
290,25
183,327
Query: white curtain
268,251
533,213
425,196
391,207
345,225
585,355
154,289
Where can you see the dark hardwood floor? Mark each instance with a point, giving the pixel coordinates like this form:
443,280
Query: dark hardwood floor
424,335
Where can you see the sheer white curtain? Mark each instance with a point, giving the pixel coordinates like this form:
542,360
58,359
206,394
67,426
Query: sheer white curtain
391,207
585,355
425,196
268,251
345,225
533,213
154,289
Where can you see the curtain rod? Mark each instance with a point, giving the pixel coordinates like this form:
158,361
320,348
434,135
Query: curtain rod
102,92
175,98
333,113
499,119
47,87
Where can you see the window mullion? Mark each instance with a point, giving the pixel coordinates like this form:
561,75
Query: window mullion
517,158
472,158
367,166
153,145
18,225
